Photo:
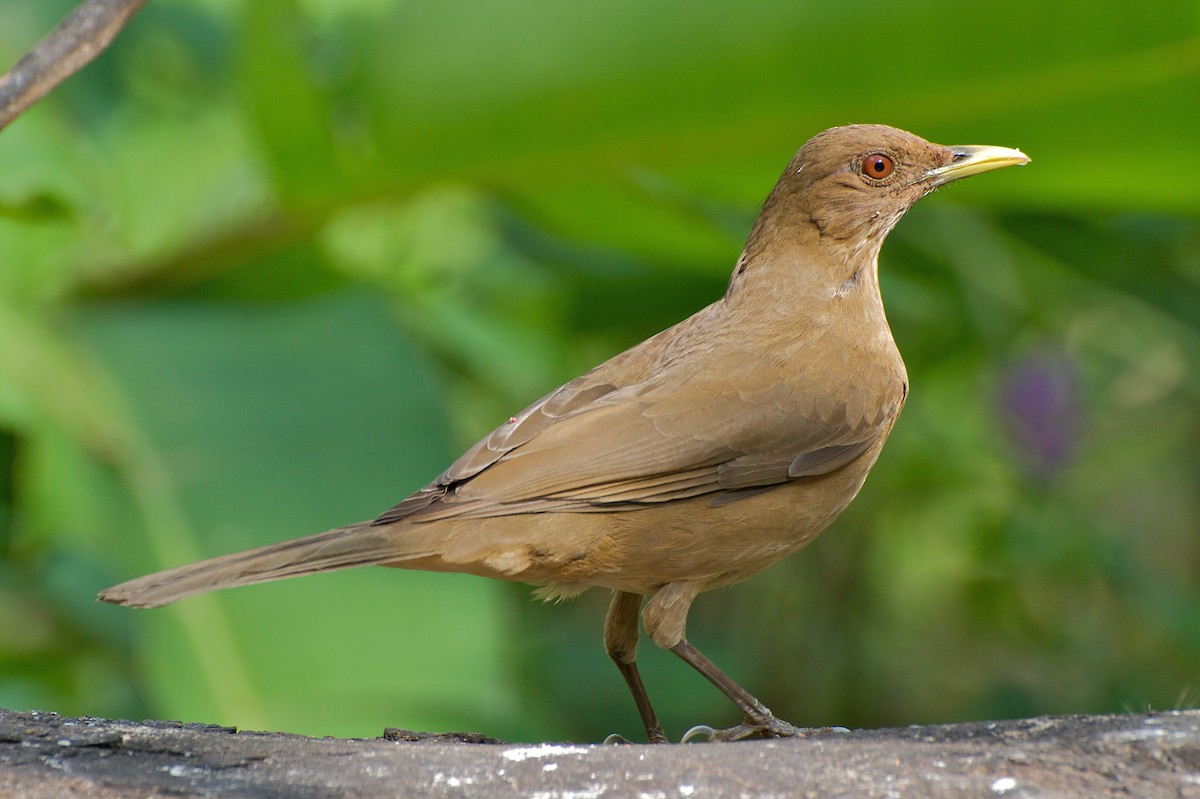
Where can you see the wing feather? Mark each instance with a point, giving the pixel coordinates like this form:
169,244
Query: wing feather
678,425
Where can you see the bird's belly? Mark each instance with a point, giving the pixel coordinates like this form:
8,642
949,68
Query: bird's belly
643,549
721,545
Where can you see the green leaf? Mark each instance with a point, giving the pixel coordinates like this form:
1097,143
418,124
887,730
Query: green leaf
273,421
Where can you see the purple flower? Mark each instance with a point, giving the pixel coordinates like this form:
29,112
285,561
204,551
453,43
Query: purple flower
1041,409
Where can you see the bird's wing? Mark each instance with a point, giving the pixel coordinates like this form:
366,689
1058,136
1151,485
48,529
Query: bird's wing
592,446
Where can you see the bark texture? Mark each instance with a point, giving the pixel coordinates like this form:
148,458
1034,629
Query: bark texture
1138,755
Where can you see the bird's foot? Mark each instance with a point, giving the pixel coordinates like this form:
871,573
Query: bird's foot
654,736
751,727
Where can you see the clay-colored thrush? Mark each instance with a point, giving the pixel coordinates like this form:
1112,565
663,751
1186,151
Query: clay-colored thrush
691,461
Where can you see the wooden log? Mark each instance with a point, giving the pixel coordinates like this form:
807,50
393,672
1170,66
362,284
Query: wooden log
1136,755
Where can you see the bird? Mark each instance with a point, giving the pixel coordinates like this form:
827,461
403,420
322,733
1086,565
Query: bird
691,461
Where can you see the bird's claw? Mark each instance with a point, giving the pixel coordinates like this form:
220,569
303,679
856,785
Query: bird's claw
698,730
616,738
766,727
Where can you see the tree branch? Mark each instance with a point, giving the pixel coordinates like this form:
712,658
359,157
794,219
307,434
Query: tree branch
82,36
1090,757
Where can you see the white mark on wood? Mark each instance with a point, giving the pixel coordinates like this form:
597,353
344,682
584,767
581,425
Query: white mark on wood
1004,785
544,750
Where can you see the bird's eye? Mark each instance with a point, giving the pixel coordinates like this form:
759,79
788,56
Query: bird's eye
878,166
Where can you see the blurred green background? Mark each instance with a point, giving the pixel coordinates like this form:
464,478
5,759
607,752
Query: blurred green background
266,267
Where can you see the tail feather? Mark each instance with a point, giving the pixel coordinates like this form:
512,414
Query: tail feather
357,545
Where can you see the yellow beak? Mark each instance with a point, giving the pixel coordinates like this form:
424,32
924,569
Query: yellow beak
972,159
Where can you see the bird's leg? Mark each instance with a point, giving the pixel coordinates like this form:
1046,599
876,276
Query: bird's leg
621,640
758,721
666,619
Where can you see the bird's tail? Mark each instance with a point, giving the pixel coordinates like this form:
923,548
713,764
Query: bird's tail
360,544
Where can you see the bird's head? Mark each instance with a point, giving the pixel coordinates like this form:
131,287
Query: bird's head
855,182
840,196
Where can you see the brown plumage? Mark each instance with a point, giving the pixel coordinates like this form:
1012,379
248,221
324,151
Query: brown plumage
693,460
